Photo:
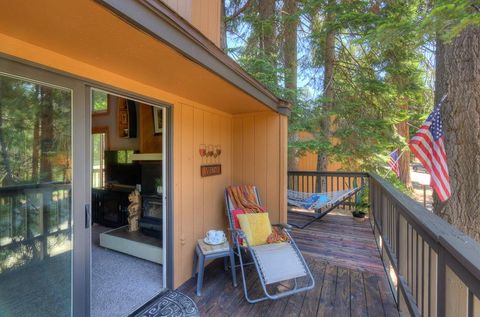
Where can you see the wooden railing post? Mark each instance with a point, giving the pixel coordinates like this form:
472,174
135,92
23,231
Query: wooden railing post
441,274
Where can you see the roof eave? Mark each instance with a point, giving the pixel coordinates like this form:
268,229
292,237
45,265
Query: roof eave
161,22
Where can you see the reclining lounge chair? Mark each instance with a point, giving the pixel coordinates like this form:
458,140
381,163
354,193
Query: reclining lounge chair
277,264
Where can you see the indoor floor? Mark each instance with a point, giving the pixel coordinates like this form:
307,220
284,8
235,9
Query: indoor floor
120,283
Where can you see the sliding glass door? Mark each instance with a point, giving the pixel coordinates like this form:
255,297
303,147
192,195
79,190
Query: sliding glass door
42,194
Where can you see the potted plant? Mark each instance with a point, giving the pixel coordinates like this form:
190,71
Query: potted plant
361,205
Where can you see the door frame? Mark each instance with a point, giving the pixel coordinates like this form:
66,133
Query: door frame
167,168
81,96
79,179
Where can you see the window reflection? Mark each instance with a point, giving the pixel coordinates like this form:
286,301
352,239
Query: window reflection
35,199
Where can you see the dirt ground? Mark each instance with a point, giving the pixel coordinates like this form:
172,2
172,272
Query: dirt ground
421,181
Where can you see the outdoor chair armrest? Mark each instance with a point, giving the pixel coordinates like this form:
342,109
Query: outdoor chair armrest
240,233
284,226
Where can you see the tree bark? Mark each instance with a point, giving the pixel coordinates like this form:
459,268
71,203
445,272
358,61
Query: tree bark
223,27
328,88
266,11
404,160
458,74
290,23
35,148
290,47
46,134
36,140
8,180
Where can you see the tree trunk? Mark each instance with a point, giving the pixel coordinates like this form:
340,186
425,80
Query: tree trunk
223,27
46,134
458,74
8,180
266,11
404,161
290,47
328,91
290,23
35,148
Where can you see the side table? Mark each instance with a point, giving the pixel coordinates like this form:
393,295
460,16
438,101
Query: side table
205,252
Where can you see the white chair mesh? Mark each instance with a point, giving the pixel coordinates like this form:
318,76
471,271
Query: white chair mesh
278,262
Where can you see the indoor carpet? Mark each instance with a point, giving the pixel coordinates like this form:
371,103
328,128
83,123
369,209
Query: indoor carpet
168,304
120,283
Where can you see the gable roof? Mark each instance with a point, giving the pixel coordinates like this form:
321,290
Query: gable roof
164,24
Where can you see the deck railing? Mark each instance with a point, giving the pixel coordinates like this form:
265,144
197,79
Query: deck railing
35,222
320,182
433,268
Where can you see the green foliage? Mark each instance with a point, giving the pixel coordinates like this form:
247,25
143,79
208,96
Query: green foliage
383,73
100,101
448,18
361,200
23,106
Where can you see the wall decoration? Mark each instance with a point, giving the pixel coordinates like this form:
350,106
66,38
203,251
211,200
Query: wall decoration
210,170
157,120
212,158
203,151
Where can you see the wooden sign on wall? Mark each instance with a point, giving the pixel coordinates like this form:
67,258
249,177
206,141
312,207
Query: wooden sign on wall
210,170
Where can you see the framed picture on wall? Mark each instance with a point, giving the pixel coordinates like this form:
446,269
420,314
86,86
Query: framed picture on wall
157,120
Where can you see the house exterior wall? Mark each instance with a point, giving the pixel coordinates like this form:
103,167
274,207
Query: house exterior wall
259,142
254,151
308,161
203,14
198,202
206,108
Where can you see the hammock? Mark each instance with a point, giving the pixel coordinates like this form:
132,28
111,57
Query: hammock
317,201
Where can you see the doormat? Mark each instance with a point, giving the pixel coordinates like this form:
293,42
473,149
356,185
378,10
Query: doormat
167,304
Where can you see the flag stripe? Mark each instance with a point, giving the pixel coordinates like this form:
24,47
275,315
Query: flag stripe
427,145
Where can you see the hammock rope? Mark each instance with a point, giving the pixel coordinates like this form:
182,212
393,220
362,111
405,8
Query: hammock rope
317,200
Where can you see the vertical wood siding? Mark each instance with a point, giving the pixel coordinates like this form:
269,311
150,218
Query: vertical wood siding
198,201
259,158
254,151
203,14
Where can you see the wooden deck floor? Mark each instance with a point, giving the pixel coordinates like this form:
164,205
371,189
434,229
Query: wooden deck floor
343,257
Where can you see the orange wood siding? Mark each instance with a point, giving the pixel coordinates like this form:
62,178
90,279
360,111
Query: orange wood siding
198,201
206,17
237,155
206,109
259,157
182,7
203,14
148,141
308,162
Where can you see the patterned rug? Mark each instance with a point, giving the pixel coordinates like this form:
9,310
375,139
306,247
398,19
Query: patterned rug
168,304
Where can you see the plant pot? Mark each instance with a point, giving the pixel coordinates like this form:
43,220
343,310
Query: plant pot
359,216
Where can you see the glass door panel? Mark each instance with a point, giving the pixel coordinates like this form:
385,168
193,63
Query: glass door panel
36,236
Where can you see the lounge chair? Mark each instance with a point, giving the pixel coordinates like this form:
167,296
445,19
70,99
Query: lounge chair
277,264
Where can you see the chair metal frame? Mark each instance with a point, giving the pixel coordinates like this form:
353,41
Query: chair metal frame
237,233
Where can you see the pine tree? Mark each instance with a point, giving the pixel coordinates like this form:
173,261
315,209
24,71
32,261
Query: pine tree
458,76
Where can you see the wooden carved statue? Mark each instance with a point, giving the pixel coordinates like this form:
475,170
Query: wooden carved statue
134,210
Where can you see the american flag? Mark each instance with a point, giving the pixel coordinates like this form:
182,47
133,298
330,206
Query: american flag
427,145
393,162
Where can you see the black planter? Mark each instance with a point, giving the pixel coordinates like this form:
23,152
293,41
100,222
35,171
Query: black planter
358,214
